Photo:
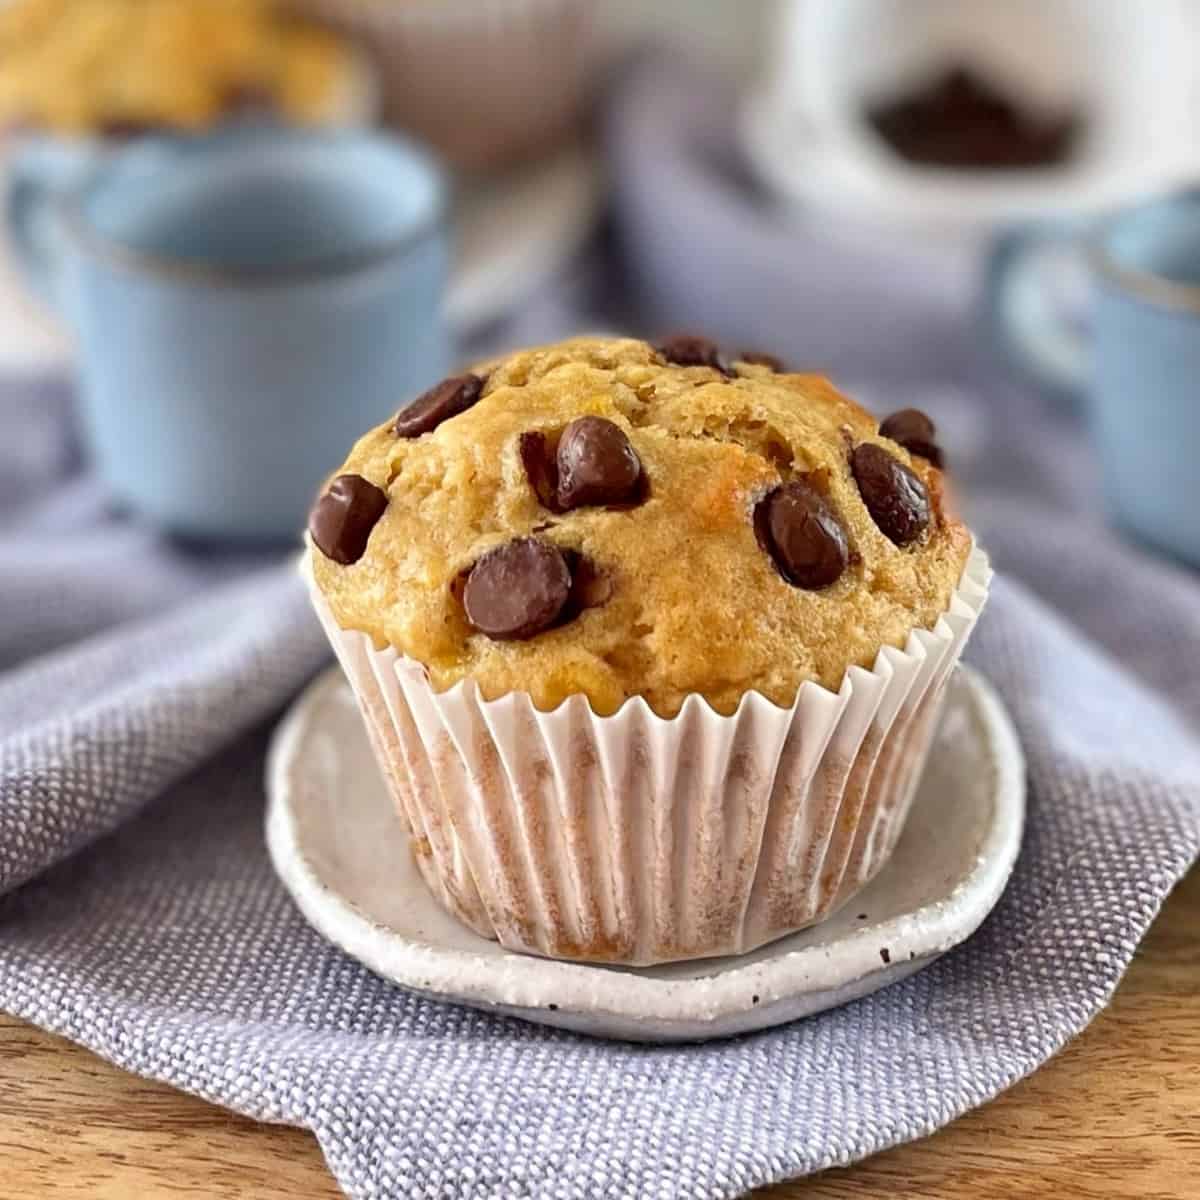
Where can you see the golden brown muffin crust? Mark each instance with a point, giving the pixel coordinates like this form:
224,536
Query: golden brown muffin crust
695,604
84,67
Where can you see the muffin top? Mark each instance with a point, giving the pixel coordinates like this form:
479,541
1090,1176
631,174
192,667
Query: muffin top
615,519
85,67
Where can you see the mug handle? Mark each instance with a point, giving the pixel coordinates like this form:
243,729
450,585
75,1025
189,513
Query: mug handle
39,177
1041,330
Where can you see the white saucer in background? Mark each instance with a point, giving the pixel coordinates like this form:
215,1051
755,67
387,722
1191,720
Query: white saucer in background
343,854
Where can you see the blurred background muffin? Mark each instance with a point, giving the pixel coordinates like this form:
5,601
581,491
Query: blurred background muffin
484,82
115,67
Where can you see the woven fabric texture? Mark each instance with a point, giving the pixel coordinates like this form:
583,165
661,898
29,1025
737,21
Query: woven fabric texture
140,916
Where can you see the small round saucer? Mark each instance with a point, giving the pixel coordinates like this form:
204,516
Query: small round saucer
343,855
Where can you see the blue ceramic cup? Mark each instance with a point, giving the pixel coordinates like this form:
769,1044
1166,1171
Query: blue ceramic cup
1135,360
245,305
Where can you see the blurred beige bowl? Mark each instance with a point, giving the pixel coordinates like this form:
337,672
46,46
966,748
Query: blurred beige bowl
484,82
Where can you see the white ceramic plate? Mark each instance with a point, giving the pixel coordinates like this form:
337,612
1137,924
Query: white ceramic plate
343,854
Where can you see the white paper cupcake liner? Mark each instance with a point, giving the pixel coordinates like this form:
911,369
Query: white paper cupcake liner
636,839
483,81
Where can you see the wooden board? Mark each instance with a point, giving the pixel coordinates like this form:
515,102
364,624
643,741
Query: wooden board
1115,1117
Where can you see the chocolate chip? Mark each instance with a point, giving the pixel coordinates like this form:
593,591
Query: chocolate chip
448,399
691,350
342,519
517,590
802,535
894,496
596,464
590,587
759,358
915,432
959,119
540,468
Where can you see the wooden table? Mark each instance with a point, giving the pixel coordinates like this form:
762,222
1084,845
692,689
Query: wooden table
1115,1116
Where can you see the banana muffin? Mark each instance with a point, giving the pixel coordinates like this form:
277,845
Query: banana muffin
851,550
91,68
668,564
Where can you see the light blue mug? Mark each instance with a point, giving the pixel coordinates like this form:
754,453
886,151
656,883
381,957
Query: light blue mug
1133,362
245,305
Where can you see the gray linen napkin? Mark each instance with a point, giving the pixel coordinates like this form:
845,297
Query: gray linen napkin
134,705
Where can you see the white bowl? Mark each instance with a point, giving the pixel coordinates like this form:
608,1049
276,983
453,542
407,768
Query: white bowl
1129,68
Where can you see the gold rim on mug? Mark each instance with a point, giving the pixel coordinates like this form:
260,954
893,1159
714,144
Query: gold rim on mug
1145,285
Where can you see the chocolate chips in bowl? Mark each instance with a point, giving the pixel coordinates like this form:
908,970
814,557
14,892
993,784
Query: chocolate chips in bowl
963,121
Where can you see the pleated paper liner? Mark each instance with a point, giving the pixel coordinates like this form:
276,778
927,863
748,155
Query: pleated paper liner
636,839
